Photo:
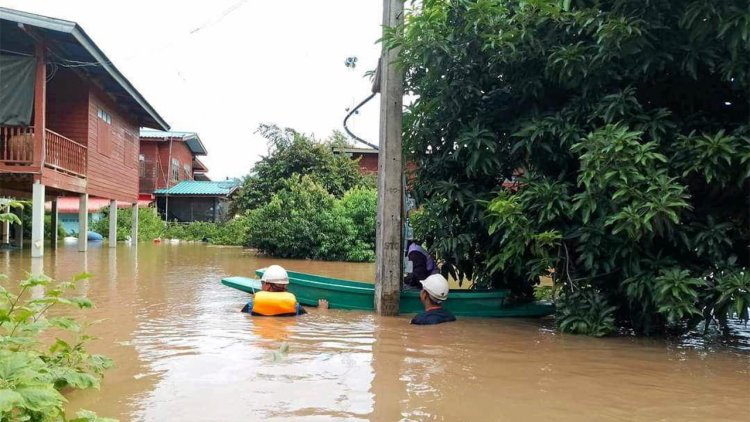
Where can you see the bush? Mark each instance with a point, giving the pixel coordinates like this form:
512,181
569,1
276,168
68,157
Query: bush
26,219
360,206
150,224
304,221
32,375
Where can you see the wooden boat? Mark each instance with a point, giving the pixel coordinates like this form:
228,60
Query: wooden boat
343,294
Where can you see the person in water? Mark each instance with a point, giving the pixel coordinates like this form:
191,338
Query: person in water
423,265
273,299
434,292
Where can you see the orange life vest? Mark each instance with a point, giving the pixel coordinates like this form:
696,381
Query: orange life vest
274,303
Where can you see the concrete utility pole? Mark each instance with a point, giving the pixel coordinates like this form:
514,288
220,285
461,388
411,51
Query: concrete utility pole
389,258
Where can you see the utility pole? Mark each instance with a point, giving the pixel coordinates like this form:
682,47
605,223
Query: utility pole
388,251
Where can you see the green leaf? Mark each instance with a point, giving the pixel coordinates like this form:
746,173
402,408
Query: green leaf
9,400
41,397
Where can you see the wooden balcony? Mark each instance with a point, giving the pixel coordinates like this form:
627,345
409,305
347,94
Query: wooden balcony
61,154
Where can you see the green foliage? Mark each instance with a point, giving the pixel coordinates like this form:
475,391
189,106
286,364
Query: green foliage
294,153
233,232
33,374
733,290
630,121
676,293
303,220
360,205
26,221
150,224
585,312
6,210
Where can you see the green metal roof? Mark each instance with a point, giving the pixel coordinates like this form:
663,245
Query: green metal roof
191,139
199,188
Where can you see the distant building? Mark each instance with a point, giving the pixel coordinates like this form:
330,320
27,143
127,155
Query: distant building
192,200
367,158
168,158
69,120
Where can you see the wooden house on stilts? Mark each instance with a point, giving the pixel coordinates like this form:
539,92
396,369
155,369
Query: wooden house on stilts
69,121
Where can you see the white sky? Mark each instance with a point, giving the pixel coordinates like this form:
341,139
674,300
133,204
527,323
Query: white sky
253,61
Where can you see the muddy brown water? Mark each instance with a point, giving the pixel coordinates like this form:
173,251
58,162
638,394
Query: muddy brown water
184,352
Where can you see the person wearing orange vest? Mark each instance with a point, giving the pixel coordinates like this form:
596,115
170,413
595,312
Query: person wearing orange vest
273,299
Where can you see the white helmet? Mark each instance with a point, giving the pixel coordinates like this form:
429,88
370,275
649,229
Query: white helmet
436,286
275,274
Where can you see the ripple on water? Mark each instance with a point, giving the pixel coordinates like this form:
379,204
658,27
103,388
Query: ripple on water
184,351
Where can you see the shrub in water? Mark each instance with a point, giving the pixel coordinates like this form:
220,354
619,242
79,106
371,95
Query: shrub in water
32,374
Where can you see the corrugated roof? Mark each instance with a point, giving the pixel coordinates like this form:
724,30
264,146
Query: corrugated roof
70,44
337,150
198,188
192,139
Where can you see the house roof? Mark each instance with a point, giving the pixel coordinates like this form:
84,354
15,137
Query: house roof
201,188
70,46
198,166
191,139
355,151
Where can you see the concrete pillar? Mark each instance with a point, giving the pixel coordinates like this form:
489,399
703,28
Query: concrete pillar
112,223
19,229
134,229
54,222
83,222
388,252
37,220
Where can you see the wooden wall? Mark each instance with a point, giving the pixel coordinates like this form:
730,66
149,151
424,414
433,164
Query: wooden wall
156,154
67,106
112,150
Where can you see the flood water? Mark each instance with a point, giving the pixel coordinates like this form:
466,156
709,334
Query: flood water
184,352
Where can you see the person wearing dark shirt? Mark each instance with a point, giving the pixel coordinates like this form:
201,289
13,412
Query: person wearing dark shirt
434,292
423,265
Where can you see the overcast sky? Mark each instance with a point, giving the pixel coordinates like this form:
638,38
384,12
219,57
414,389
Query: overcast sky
221,67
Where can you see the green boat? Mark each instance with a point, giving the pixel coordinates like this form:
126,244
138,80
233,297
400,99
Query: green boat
343,294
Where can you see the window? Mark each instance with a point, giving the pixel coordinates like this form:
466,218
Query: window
104,116
186,167
175,169
103,132
130,150
141,165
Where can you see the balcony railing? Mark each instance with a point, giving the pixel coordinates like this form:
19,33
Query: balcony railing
64,154
16,145
61,154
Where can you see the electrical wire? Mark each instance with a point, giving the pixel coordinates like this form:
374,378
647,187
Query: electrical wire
354,110
70,63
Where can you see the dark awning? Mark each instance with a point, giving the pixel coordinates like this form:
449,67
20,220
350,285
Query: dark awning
69,46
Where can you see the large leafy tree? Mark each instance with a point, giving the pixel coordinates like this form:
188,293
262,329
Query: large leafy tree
294,153
630,120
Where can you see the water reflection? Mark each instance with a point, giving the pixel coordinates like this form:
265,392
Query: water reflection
184,351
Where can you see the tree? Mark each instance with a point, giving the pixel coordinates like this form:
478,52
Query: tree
303,220
630,121
290,153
